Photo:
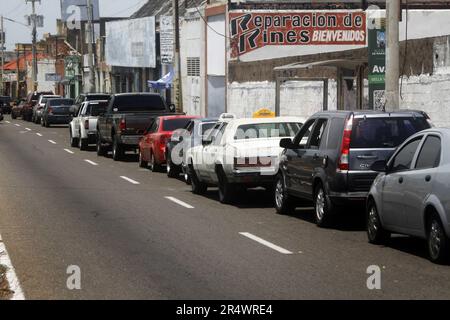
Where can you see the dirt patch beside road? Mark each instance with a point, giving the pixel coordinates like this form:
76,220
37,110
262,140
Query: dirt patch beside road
5,293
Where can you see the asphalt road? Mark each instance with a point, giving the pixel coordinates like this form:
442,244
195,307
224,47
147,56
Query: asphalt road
131,242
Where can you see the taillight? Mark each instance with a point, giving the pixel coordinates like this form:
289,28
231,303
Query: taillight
86,124
345,148
163,141
122,125
253,162
50,110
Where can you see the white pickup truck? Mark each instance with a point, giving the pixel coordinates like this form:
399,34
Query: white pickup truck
83,128
239,154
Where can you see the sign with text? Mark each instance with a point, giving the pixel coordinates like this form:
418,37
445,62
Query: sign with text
377,66
167,39
254,30
77,10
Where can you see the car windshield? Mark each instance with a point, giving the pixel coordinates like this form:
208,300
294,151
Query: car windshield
138,103
174,124
96,109
61,102
267,130
98,97
379,133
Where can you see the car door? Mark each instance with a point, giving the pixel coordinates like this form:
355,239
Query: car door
393,184
312,158
148,139
418,183
292,158
214,152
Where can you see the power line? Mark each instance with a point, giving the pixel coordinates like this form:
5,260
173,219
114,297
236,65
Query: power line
15,21
209,26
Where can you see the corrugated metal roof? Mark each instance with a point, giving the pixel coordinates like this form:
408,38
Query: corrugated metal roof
164,7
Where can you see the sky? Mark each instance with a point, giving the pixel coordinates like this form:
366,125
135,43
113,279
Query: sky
51,9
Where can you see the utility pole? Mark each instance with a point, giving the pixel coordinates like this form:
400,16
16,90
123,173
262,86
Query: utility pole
90,13
2,43
177,83
34,35
393,12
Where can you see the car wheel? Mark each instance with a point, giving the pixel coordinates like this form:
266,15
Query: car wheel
323,208
375,231
227,191
197,186
73,141
101,150
172,170
117,150
13,116
283,201
142,163
83,143
438,242
154,167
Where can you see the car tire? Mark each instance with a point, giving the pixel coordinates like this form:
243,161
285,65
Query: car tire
227,191
117,150
13,116
375,232
284,204
437,240
83,144
154,167
142,163
101,149
73,141
323,208
172,170
197,186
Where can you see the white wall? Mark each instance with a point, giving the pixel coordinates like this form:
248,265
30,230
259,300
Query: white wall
44,67
296,98
216,45
430,94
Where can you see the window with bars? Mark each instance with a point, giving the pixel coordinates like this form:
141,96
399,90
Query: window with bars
193,67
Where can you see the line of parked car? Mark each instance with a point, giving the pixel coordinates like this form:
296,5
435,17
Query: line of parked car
394,164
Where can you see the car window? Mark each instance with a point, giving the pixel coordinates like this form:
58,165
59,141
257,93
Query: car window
174,124
219,138
317,134
381,133
334,136
138,103
267,130
430,155
205,128
405,157
303,136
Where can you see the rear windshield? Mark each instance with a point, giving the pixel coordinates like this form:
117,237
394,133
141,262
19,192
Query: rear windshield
267,130
174,124
61,102
96,109
98,97
139,103
382,133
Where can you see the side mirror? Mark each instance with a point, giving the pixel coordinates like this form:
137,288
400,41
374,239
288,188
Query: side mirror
287,144
379,166
207,141
172,108
177,138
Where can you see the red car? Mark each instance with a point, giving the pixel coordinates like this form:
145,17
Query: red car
152,147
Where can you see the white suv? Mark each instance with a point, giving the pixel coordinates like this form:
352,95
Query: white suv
83,128
240,153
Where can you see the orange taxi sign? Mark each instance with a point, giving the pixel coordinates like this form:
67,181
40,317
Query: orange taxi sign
264,113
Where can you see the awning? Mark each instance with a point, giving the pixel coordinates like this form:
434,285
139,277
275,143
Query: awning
163,83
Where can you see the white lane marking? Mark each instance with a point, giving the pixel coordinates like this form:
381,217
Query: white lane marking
91,162
28,129
129,180
69,151
7,121
52,142
181,203
14,284
265,243
17,125
39,135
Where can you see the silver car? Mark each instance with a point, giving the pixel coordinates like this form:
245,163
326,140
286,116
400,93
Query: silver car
411,196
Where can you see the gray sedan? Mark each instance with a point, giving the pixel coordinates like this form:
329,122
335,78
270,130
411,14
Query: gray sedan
411,196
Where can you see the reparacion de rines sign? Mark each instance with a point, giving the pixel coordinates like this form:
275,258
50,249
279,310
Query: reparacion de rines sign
252,30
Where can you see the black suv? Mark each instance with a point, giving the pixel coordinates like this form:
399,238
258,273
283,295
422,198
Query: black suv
329,160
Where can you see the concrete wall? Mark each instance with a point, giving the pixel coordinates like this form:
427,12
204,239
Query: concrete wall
296,98
44,67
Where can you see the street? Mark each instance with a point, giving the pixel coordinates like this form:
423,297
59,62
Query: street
138,235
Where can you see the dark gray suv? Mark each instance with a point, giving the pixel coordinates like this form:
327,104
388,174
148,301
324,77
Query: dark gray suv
329,160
